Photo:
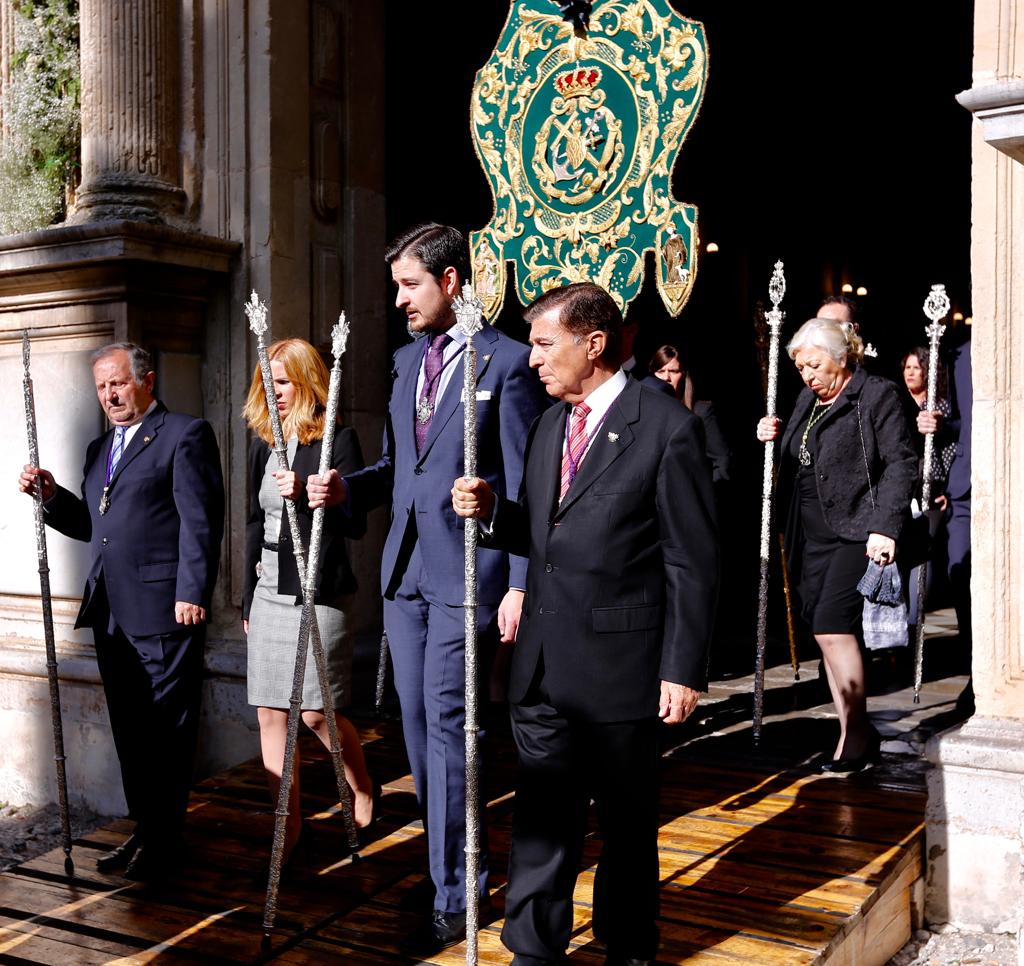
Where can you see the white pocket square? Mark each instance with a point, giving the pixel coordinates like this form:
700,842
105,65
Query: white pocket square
483,394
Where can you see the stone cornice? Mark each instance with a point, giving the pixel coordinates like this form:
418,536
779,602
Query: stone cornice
68,246
1000,109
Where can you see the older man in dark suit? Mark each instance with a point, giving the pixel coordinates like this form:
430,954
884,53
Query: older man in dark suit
616,515
152,510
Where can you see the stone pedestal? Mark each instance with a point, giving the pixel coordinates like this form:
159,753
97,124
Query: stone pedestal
76,288
975,817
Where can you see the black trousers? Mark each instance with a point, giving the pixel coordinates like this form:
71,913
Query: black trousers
153,687
563,764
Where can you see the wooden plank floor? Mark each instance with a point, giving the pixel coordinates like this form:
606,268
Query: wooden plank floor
760,864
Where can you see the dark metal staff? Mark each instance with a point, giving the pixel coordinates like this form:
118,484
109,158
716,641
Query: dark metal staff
309,632
382,672
469,313
776,292
935,307
47,601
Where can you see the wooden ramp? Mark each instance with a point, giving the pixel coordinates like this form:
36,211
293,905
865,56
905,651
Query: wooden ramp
759,865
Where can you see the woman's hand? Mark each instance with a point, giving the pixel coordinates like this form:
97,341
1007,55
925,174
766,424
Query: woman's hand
929,423
881,549
768,428
288,484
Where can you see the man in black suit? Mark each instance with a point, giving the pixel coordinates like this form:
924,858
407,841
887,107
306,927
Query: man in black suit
616,515
152,509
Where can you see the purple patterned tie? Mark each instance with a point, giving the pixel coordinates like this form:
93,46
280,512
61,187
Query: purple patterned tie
432,367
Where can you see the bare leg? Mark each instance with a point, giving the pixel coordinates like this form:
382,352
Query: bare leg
273,732
356,775
844,668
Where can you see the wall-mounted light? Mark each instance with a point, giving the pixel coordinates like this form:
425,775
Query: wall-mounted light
847,288
711,247
861,290
968,320
958,316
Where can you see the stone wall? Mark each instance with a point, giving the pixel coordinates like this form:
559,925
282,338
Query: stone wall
976,793
227,146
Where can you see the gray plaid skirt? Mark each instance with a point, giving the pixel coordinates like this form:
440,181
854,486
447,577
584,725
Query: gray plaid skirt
273,635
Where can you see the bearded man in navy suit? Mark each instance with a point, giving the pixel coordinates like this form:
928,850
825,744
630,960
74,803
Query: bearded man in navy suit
422,570
152,511
616,514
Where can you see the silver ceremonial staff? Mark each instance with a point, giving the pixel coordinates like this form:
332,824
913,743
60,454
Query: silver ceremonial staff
776,292
936,306
469,314
309,632
47,602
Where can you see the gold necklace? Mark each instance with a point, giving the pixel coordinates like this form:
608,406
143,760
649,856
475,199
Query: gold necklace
819,410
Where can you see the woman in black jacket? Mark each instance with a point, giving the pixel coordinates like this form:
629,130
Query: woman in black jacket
667,365
273,588
846,473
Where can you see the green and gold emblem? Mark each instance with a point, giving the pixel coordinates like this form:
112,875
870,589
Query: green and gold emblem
578,135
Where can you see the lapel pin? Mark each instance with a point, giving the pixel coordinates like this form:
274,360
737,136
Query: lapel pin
146,439
613,437
487,357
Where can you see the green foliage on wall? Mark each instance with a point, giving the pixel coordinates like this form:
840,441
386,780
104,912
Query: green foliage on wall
41,112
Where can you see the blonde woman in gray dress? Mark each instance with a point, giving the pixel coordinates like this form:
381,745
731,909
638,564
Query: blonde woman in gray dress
272,602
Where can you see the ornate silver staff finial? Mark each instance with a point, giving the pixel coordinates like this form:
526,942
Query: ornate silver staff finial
339,336
469,311
26,353
777,286
936,306
256,310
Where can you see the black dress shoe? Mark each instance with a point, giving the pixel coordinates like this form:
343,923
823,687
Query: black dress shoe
150,864
120,857
441,930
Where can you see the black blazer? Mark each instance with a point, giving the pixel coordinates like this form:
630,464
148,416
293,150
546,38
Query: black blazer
160,540
622,575
717,448
851,450
335,577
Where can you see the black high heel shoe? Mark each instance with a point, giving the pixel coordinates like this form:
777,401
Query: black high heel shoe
374,813
871,755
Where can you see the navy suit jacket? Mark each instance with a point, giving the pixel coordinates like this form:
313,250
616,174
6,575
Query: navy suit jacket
509,396
623,573
961,392
159,542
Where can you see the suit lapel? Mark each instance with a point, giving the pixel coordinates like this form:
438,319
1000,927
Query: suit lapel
551,464
404,403
611,439
144,435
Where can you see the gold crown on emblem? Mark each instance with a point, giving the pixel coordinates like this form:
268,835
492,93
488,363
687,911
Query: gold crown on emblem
576,83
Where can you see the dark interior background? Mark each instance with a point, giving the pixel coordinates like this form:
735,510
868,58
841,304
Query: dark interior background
829,137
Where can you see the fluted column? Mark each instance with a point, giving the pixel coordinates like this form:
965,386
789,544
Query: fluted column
130,111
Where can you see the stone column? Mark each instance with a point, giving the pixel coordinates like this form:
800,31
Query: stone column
976,791
130,111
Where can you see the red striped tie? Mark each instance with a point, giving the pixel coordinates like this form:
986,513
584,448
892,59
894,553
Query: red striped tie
573,455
